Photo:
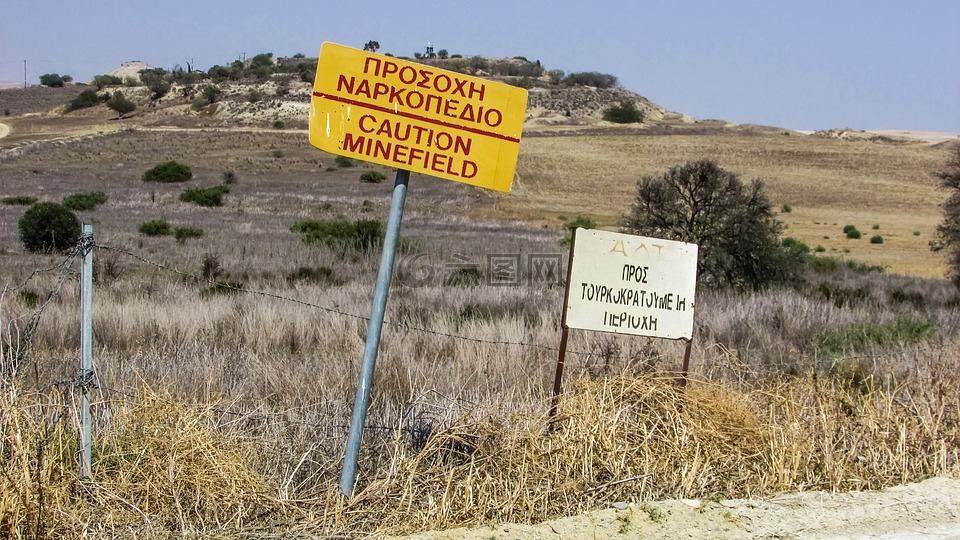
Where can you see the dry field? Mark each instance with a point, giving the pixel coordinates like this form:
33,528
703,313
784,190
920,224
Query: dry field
224,410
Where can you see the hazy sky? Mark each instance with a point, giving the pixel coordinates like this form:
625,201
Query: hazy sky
799,64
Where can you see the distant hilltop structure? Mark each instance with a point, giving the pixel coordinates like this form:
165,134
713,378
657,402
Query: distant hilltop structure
130,70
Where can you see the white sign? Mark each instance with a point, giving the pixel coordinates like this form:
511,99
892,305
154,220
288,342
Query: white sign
631,285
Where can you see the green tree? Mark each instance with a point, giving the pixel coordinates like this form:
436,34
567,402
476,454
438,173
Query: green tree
734,225
102,81
52,80
948,231
218,73
156,80
211,93
624,113
87,98
590,78
371,46
119,103
47,227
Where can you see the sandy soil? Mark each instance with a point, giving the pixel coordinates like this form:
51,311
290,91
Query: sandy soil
929,510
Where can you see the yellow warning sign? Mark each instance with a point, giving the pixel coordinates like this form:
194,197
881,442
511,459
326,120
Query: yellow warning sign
416,117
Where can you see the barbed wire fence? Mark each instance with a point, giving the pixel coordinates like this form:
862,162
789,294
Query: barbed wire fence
16,345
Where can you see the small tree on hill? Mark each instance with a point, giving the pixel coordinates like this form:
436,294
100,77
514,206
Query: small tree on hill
156,80
371,46
119,103
211,93
733,224
52,80
948,231
102,81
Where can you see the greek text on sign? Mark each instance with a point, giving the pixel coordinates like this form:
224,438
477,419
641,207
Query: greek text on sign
416,117
631,285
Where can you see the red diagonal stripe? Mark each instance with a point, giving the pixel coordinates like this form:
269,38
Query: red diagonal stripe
412,116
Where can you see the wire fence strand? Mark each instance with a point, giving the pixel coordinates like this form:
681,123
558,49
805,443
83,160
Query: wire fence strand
334,311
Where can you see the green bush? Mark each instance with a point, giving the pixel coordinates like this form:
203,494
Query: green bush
186,232
372,177
278,124
211,196
47,227
52,80
30,298
19,200
825,265
624,113
84,201
277,154
876,239
119,103
155,227
861,337
851,232
580,222
85,99
211,93
590,78
167,172
343,162
339,233
102,81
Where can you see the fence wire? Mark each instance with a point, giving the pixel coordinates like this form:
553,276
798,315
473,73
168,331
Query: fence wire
327,309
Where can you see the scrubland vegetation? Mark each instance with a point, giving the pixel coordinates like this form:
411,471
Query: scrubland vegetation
226,367
228,337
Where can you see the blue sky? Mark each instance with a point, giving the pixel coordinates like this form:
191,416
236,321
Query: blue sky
810,64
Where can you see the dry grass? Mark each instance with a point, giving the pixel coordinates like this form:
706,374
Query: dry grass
162,467
828,183
227,414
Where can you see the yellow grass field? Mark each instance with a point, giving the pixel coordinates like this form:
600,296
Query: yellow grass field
827,183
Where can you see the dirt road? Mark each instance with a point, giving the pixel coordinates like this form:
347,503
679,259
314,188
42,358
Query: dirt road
929,510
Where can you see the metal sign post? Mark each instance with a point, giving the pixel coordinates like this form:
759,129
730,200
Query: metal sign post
416,118
85,375
349,474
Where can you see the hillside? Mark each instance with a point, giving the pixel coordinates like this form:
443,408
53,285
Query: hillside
571,161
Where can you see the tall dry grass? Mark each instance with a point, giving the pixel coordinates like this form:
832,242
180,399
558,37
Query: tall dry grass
229,412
